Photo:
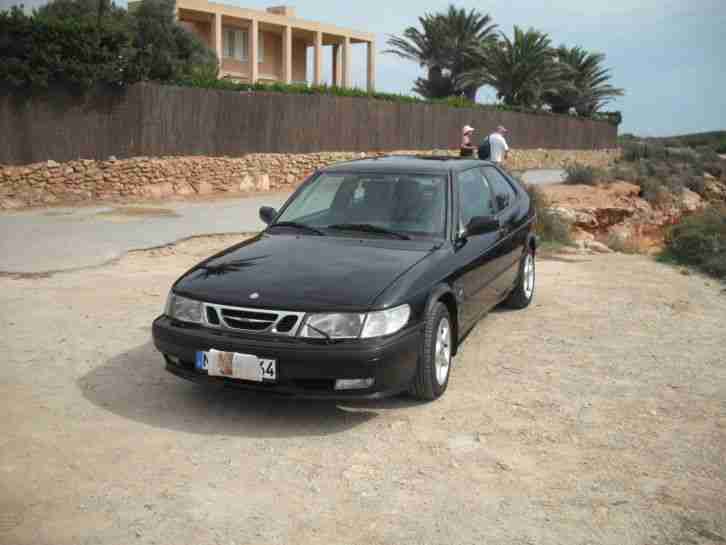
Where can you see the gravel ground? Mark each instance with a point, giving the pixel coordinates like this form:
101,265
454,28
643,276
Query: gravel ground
596,416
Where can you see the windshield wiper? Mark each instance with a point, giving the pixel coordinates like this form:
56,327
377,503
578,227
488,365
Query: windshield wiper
297,225
368,228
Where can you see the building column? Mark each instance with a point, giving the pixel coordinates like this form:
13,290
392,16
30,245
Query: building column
318,59
346,62
337,65
253,38
287,55
371,67
217,37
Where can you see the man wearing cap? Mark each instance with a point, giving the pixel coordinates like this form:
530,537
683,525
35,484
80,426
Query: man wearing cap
498,145
467,148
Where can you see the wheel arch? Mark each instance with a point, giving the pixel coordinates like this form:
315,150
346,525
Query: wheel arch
532,242
445,294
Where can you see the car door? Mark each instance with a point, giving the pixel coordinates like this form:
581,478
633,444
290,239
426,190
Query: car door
506,200
475,255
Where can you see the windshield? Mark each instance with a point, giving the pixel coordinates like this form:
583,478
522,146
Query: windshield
411,204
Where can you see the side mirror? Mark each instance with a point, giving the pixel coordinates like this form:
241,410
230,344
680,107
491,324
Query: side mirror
479,225
502,201
267,214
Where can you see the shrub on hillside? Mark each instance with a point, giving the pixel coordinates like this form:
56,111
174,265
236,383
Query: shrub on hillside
717,169
637,150
721,147
550,227
577,173
654,191
696,184
624,172
700,241
664,172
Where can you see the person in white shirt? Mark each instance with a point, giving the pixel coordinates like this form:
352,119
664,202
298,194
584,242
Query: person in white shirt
498,145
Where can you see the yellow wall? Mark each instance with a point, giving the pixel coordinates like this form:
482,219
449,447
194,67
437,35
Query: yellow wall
271,67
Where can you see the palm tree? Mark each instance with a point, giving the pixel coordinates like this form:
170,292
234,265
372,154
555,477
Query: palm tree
427,48
522,70
446,46
586,86
467,34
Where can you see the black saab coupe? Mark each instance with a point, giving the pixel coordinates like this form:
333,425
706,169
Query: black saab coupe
364,284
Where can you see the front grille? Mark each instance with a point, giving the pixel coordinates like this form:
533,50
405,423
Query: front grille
253,320
212,316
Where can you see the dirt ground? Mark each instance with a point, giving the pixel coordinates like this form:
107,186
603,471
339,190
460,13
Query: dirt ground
596,416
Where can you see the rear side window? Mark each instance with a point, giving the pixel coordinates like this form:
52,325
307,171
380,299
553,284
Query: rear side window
504,194
475,196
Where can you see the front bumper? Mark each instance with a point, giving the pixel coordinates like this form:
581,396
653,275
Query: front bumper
304,368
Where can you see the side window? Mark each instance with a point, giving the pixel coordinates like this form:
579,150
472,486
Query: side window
504,194
475,197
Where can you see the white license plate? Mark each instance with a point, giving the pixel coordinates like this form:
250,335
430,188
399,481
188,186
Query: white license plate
234,365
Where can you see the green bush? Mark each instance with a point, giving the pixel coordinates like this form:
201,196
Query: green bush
68,44
699,240
550,228
37,52
577,173
721,147
164,50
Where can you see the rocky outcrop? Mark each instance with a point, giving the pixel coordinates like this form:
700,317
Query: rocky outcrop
138,178
615,214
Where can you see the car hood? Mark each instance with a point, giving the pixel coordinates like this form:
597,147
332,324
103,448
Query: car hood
309,273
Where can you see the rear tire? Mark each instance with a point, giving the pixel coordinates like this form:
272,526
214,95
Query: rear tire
523,292
434,365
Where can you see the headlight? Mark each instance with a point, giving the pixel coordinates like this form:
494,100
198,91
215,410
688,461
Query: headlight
183,309
333,326
353,326
386,322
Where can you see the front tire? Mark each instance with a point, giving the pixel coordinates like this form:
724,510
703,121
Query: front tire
434,366
523,292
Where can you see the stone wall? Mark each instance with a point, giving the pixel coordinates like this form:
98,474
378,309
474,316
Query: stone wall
139,178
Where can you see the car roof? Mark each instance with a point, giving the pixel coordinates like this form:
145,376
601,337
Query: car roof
406,163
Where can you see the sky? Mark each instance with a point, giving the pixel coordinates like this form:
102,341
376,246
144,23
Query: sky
668,55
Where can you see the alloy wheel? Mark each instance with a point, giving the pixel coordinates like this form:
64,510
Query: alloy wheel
442,356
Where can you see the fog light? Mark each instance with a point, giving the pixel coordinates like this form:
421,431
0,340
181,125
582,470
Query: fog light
353,383
173,359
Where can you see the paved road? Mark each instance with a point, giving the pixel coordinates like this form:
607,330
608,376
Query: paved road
57,239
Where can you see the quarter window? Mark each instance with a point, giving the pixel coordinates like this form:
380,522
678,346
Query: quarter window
504,194
475,196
